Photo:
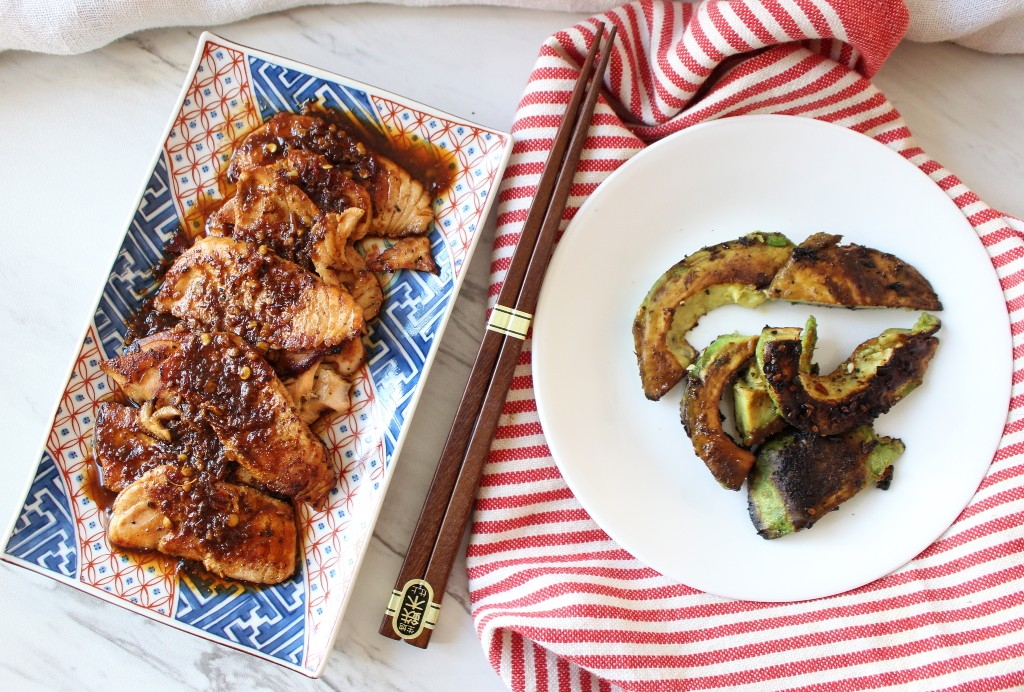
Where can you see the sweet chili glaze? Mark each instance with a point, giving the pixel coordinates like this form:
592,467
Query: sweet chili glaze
222,383
123,450
135,451
332,189
92,484
205,511
255,276
288,233
352,149
145,320
350,145
434,167
92,480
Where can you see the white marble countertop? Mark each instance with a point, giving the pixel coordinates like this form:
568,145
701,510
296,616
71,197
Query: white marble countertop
76,135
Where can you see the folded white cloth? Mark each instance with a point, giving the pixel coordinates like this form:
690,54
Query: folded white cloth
66,27
995,26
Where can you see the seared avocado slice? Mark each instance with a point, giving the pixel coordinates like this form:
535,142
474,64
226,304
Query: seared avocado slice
822,271
799,476
715,370
757,417
880,372
734,272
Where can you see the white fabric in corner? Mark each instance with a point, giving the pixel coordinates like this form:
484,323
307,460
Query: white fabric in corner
67,27
995,26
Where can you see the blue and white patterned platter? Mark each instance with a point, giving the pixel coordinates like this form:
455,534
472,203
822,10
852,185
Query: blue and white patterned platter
61,531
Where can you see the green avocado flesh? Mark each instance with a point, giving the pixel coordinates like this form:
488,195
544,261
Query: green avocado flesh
755,412
879,373
688,314
799,477
710,375
757,417
737,271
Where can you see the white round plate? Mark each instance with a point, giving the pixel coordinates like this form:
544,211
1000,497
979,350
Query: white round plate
628,460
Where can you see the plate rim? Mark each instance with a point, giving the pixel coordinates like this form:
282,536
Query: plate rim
205,38
882,149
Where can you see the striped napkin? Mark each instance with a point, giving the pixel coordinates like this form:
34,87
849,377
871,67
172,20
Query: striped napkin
557,604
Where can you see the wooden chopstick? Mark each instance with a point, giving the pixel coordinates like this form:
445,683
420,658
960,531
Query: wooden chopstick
428,525
513,324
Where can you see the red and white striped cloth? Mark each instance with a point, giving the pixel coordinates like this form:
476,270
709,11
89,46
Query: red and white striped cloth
557,604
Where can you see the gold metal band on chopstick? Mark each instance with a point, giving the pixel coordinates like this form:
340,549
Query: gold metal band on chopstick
413,609
509,321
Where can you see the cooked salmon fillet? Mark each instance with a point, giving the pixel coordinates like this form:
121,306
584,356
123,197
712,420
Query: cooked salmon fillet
128,441
270,208
235,531
330,187
401,205
123,449
220,284
218,380
137,372
271,142
405,253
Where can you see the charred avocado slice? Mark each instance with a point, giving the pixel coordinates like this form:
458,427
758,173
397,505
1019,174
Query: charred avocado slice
734,272
799,477
715,370
822,271
880,372
757,417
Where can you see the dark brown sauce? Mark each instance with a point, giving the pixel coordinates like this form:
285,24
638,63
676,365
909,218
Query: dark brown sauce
92,484
146,320
194,571
180,568
434,167
201,508
116,396
223,381
431,165
142,558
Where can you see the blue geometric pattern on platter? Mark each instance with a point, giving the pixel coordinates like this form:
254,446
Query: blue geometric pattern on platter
280,89
153,225
45,533
403,334
267,619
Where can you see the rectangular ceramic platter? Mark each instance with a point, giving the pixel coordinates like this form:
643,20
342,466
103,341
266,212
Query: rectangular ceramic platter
61,532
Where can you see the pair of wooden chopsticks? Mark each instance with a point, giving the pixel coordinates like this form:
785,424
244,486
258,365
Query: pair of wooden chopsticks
415,601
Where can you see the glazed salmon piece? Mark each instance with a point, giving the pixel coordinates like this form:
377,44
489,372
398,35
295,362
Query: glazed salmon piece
220,284
236,531
218,380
